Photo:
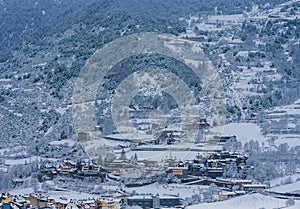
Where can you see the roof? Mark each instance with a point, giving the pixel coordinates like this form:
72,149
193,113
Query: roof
168,197
178,168
140,197
7,200
227,193
254,185
235,180
240,192
71,206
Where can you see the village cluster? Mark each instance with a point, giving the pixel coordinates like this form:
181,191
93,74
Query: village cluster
198,171
118,200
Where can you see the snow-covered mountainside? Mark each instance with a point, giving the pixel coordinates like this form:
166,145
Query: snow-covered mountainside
254,46
257,53
46,44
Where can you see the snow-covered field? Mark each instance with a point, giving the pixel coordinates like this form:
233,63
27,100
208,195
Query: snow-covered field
293,188
22,161
286,184
170,189
249,201
280,181
290,139
61,142
244,131
293,109
61,196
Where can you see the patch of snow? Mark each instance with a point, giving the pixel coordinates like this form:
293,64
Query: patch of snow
61,110
170,189
244,132
288,188
278,181
5,79
22,161
70,142
290,139
249,201
228,18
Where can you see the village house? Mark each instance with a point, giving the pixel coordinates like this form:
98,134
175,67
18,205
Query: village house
195,38
109,203
230,183
17,181
6,201
254,187
37,201
149,201
72,206
178,171
226,195
83,136
221,140
214,172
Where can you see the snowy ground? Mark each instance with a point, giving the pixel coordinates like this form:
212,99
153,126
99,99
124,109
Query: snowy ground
170,189
27,160
279,111
23,191
290,139
279,181
249,201
21,161
172,151
293,188
70,142
61,196
288,118
244,132
286,184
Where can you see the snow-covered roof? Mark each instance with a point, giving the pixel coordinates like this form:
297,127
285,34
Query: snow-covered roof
140,197
254,185
178,168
